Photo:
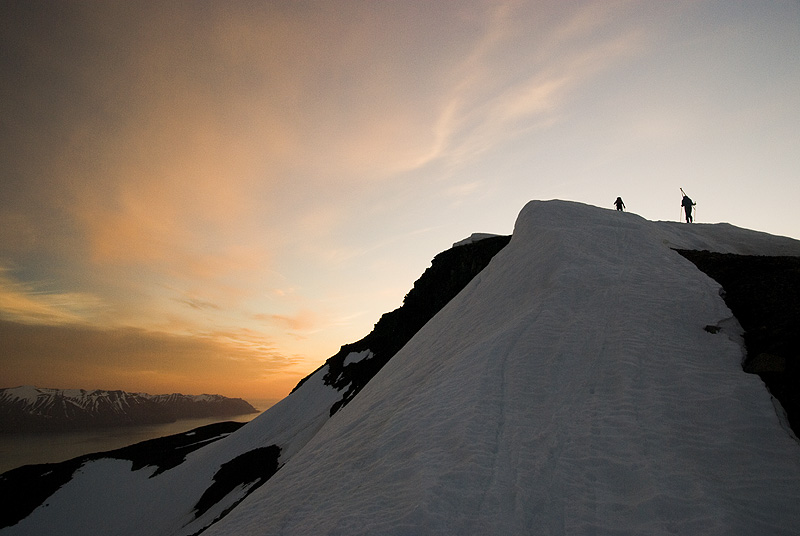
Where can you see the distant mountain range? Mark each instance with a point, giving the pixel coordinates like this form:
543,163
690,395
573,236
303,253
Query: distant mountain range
29,408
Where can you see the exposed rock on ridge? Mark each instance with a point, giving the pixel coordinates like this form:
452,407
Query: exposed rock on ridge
764,294
449,272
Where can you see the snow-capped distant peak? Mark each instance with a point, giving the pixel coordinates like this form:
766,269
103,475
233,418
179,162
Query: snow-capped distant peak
25,393
35,408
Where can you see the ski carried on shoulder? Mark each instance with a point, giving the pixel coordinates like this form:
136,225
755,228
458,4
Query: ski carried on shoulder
692,211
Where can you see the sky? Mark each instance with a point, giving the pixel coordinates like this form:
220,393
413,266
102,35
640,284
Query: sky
213,197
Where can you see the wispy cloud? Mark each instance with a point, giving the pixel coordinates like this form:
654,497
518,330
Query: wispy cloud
305,321
199,304
494,98
24,302
168,166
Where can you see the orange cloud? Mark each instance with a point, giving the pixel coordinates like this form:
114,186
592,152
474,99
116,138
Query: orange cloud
302,321
22,302
233,363
170,157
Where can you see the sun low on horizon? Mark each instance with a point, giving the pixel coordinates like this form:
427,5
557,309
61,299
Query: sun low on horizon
215,197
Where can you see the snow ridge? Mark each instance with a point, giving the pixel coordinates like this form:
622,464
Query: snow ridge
569,388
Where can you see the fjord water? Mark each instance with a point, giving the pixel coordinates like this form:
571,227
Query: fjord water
51,447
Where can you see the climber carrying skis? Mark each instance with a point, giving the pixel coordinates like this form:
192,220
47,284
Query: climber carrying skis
687,205
620,205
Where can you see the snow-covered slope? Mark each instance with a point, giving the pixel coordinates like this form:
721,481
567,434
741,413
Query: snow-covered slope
570,388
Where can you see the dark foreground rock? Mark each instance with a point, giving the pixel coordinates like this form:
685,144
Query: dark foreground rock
764,294
25,488
247,471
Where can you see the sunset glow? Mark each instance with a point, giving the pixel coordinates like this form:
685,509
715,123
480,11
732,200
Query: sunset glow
213,197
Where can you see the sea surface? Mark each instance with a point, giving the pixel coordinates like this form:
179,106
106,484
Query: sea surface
41,447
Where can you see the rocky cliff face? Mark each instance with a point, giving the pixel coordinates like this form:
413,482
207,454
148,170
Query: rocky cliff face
34,409
764,295
356,363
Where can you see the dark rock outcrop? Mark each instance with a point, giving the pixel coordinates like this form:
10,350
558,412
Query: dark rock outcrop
764,294
25,488
249,470
450,271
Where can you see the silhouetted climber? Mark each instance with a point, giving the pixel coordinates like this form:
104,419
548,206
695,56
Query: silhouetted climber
620,205
687,207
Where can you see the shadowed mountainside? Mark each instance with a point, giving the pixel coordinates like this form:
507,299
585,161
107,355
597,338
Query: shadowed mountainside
764,295
26,487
